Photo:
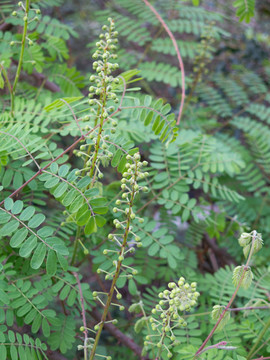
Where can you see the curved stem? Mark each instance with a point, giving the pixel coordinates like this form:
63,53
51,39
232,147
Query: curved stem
27,6
181,65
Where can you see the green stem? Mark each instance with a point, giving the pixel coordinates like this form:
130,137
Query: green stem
96,148
253,350
115,277
78,233
27,6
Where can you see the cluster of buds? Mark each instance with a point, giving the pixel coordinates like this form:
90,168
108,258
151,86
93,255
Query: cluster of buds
247,239
125,239
104,153
103,67
27,20
100,92
178,298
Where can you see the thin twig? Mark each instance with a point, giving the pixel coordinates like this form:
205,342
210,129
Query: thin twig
181,65
200,350
83,314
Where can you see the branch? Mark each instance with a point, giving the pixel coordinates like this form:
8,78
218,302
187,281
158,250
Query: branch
222,253
181,65
47,84
200,350
5,26
124,339
42,79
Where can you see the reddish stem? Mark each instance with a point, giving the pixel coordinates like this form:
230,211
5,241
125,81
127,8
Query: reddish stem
58,157
181,65
200,350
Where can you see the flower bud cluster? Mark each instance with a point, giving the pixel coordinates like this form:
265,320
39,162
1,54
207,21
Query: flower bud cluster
100,92
178,298
125,238
104,153
246,240
103,81
130,188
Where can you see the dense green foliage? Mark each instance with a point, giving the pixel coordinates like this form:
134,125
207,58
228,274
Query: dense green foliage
109,209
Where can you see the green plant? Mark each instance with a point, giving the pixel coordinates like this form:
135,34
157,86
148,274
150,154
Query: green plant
94,183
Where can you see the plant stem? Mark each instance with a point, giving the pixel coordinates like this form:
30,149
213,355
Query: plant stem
27,6
259,338
181,65
230,302
78,233
116,275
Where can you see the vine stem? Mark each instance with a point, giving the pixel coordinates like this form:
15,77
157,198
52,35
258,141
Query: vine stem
259,338
27,6
116,275
200,350
181,64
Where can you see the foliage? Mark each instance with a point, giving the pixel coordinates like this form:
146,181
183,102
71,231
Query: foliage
105,198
